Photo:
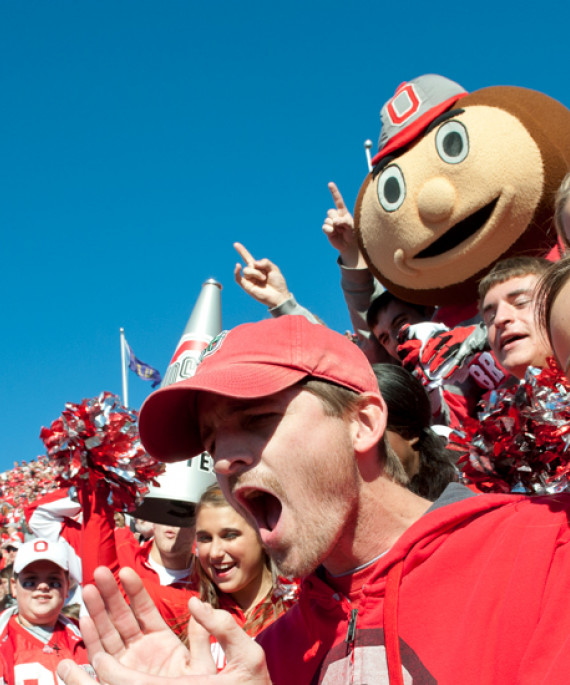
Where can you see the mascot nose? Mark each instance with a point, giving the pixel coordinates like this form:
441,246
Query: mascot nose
436,200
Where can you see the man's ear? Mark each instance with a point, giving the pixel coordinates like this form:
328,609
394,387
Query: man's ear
13,587
369,423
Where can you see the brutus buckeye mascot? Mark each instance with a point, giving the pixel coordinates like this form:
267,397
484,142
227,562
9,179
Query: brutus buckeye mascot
460,181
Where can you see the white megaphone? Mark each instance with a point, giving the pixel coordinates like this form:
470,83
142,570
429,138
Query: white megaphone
182,483
173,501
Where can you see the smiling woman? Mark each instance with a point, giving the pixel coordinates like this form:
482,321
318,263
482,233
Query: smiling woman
234,570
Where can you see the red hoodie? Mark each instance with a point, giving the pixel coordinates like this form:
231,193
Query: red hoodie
482,599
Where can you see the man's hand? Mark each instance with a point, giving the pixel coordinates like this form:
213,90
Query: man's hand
132,644
261,279
339,229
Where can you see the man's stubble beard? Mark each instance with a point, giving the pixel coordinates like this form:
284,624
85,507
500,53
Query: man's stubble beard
319,530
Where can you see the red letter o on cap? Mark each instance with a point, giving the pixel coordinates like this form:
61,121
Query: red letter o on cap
40,546
403,105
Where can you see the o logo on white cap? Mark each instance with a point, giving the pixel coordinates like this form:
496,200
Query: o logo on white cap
40,546
403,105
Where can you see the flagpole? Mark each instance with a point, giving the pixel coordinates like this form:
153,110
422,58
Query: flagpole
124,370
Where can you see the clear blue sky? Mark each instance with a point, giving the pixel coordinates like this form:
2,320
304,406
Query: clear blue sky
140,139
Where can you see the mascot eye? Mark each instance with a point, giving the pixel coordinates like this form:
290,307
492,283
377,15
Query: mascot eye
451,142
391,188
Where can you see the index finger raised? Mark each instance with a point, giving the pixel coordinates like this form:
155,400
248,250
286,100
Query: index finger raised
244,253
337,197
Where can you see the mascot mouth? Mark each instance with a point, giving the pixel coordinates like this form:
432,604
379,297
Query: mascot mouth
459,233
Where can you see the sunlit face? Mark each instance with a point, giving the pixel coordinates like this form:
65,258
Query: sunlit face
509,313
229,550
453,203
389,322
40,590
290,470
559,325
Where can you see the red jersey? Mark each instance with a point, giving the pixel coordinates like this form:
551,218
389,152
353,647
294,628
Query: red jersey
28,660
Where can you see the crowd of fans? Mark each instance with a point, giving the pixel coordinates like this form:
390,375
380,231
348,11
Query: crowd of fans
22,485
436,380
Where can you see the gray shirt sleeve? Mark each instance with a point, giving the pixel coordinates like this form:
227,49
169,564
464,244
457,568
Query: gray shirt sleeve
291,306
359,288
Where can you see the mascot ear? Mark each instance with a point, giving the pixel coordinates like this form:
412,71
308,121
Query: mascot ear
356,214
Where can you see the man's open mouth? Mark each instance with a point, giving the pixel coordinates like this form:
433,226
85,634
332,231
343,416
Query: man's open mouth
459,233
511,337
261,505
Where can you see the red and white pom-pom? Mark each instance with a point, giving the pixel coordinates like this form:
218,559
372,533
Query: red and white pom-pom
520,442
98,440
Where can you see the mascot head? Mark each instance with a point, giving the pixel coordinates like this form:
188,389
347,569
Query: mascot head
460,181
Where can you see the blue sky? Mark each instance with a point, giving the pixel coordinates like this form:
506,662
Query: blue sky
141,139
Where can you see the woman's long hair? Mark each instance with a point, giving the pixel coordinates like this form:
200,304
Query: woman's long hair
409,415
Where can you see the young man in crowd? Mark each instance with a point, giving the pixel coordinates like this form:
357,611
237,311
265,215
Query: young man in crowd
387,315
34,636
469,589
508,307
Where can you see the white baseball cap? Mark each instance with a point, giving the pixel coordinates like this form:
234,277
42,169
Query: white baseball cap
40,549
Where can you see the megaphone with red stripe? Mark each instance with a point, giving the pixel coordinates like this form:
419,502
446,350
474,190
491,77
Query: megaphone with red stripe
173,502
204,324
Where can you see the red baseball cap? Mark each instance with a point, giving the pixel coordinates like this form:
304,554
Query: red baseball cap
250,361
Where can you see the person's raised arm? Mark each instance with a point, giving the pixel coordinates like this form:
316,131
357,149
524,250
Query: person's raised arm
338,226
263,280
260,278
98,528
132,644
359,287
